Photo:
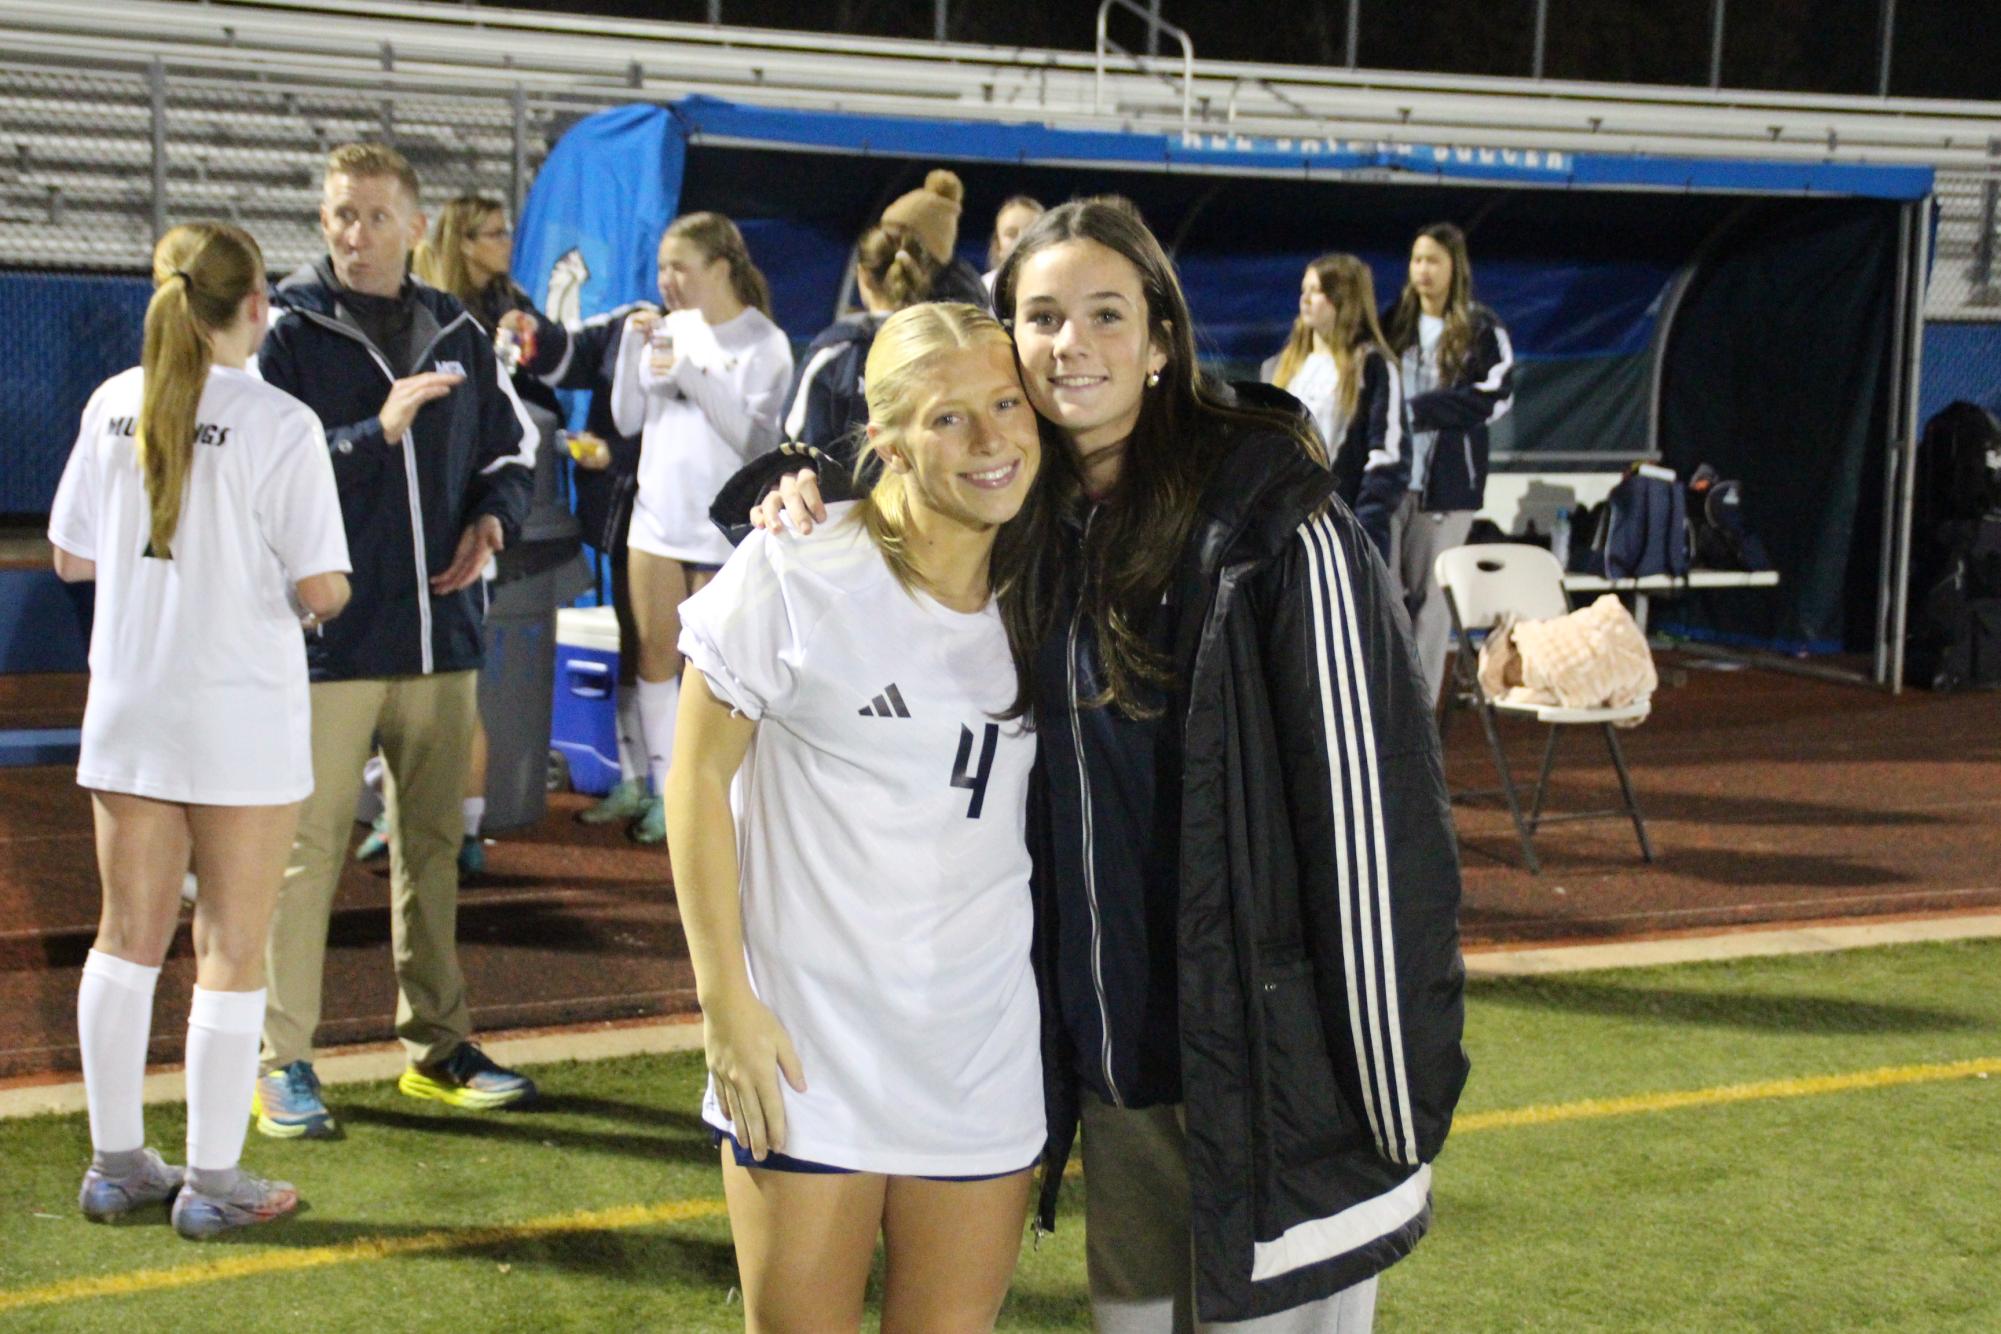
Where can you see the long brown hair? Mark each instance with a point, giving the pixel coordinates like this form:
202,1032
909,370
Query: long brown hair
201,273
718,238
1351,290
1457,339
897,264
900,363
440,258
1133,546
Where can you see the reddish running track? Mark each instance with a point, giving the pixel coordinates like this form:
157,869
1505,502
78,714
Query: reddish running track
1769,798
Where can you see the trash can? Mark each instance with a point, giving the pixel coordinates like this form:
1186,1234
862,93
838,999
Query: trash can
544,569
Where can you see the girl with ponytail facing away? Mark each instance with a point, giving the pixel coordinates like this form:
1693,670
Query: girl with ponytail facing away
893,271
202,502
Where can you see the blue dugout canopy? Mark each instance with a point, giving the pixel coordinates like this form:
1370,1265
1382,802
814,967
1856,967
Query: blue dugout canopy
1759,316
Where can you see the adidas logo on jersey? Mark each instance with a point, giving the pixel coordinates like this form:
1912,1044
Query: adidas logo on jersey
889,704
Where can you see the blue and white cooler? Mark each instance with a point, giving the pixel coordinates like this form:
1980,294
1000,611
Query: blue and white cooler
584,723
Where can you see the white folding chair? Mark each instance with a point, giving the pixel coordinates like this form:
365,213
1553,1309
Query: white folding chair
1481,584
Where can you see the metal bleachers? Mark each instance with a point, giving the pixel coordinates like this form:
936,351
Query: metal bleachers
247,96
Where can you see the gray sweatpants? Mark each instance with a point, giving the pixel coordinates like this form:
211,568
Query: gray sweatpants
1416,538
1137,1243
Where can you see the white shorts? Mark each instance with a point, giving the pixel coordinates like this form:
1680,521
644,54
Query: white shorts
648,535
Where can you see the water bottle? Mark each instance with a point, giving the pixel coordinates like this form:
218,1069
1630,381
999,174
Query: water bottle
1559,538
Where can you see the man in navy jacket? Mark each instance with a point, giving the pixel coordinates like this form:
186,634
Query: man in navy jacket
432,457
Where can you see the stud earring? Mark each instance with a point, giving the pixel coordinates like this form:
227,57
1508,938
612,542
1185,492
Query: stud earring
1152,379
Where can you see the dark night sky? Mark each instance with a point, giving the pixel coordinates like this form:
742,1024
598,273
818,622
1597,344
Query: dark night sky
1943,48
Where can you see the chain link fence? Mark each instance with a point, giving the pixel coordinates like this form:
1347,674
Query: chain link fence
1962,352
95,164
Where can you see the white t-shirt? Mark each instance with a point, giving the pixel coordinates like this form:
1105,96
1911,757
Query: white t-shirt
698,424
197,666
1317,384
1420,375
884,868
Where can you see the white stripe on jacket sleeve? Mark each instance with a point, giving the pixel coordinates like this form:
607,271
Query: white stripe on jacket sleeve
1497,375
1368,936
795,420
531,439
1391,451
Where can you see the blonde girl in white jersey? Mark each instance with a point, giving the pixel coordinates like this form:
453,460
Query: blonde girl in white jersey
860,926
704,392
202,502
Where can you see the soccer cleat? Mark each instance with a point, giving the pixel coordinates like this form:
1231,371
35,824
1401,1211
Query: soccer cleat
287,1104
251,1200
650,828
624,802
472,857
106,1199
468,1078
377,842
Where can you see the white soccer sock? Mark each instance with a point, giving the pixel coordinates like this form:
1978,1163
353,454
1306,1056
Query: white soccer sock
659,701
223,1028
114,1017
631,736
473,810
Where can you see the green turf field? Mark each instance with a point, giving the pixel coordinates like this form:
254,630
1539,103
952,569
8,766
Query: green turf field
1870,1199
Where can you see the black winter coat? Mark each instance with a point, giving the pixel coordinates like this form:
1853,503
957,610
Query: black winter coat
827,403
585,356
1320,983
404,502
1365,460
1478,396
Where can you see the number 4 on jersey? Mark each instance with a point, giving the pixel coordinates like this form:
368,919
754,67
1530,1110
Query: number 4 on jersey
977,782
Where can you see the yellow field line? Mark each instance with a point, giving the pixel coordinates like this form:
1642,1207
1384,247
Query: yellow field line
1884,1077
676,1211
349,1252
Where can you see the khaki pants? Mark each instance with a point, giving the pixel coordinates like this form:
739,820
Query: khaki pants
425,726
1137,1245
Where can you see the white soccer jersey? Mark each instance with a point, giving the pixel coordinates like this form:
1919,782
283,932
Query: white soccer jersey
880,831
197,666
698,424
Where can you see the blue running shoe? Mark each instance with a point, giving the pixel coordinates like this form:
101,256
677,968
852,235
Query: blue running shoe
468,1078
650,829
251,1200
287,1104
622,805
106,1199
377,842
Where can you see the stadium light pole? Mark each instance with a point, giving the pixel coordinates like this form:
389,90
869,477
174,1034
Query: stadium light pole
156,89
1541,37
1889,36
1354,34
1716,43
941,20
